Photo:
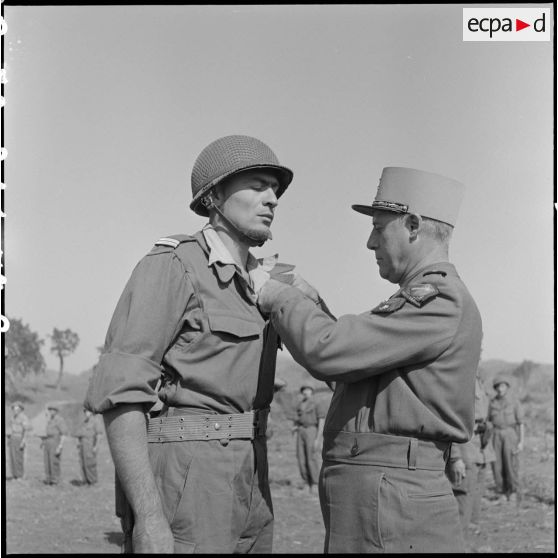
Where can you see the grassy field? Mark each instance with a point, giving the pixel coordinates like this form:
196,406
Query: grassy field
76,519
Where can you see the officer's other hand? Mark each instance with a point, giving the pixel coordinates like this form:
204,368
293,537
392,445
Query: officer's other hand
268,293
318,444
519,447
22,445
457,471
153,536
307,289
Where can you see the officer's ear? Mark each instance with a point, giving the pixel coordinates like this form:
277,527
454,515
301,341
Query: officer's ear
413,222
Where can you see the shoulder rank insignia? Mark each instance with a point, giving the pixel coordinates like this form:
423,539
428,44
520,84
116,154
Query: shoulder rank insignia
419,294
166,241
388,306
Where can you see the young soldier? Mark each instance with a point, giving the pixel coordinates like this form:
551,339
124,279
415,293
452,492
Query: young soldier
189,311
404,376
506,416
56,432
309,424
17,439
88,436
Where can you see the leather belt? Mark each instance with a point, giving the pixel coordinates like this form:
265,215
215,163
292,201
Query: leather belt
184,427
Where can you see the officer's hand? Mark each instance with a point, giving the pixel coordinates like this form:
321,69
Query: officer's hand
457,471
22,445
302,285
58,451
318,444
153,536
519,447
268,293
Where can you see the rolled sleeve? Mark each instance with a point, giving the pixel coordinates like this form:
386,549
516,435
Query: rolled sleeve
147,318
359,346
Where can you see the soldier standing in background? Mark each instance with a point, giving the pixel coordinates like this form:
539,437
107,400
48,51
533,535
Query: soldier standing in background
17,439
88,436
56,431
309,426
468,463
506,415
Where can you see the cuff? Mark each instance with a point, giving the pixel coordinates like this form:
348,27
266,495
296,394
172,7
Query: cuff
122,378
290,295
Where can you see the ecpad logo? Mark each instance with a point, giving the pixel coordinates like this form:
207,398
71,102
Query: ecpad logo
506,24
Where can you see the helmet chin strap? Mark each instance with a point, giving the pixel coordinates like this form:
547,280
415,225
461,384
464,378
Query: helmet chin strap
253,240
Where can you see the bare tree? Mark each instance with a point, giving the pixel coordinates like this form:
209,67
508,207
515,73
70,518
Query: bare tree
23,352
63,343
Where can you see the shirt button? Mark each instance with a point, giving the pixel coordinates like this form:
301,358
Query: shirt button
217,426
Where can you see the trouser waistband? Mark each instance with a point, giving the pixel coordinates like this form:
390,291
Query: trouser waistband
370,448
180,425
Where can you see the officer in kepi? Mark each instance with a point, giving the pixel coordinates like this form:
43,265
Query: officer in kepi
404,375
187,333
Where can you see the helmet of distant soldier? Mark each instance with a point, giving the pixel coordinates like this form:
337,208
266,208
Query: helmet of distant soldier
500,379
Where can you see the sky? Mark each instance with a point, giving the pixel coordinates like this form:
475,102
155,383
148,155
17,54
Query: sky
107,108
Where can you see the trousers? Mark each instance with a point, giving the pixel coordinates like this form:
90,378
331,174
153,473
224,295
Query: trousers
51,460
306,456
16,456
469,494
506,466
88,460
381,493
215,495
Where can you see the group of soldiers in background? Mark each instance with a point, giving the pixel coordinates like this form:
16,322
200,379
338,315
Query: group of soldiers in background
56,432
498,438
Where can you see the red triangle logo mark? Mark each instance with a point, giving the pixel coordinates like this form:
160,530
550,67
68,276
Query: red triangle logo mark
519,25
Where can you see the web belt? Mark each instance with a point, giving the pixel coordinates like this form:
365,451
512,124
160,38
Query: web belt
190,427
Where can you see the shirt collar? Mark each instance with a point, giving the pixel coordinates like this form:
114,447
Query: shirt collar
258,269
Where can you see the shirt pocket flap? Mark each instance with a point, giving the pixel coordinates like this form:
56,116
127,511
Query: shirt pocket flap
234,325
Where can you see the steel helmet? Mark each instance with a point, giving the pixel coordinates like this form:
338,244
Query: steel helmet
501,379
227,156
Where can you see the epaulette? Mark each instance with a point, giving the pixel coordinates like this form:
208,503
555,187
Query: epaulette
174,240
418,295
388,306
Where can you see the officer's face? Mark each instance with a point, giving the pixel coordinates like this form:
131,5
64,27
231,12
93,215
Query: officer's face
390,241
249,200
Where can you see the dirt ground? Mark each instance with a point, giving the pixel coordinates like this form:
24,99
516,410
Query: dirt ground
71,518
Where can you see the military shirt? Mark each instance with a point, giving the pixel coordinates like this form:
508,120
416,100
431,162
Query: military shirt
473,451
19,425
56,427
406,367
505,412
89,429
309,413
191,324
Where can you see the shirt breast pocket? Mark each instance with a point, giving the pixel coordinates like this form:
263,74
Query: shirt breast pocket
233,329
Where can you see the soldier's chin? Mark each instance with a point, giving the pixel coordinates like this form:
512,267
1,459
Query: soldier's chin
258,236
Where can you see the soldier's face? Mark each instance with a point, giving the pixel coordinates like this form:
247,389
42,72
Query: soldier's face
390,241
501,389
249,200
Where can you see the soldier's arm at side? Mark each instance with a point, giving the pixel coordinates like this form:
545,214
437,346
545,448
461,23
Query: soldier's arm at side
358,346
126,434
147,318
